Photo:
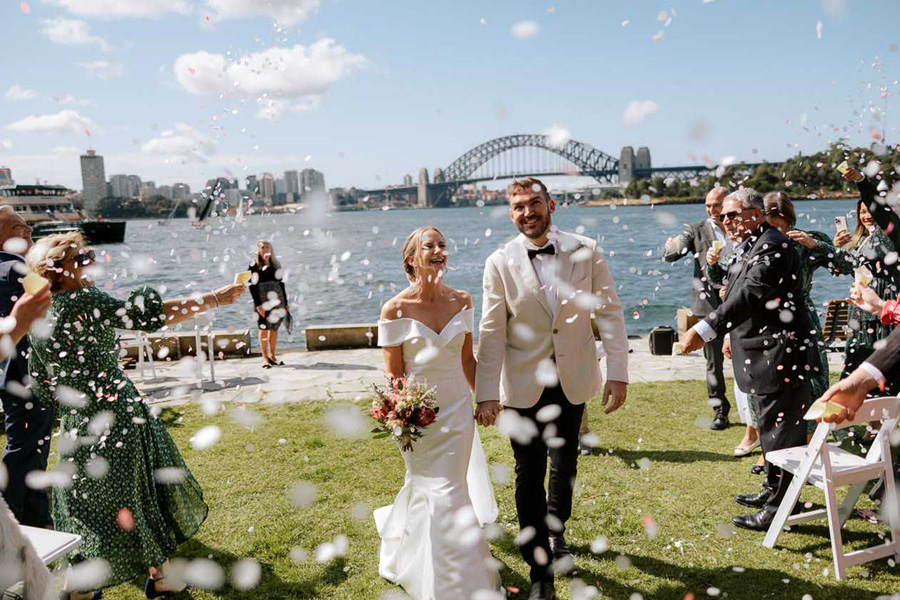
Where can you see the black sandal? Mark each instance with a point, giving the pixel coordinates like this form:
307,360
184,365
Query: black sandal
268,365
758,469
64,595
151,592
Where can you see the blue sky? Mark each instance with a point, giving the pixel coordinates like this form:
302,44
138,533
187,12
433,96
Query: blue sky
392,86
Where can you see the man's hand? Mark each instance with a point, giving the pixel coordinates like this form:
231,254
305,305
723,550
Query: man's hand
712,257
850,393
614,394
801,237
692,342
486,412
27,310
726,348
852,174
261,311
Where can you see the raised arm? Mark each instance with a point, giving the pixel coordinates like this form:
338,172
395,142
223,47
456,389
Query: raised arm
180,309
680,246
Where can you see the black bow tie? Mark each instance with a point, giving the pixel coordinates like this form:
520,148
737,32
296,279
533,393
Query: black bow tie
551,250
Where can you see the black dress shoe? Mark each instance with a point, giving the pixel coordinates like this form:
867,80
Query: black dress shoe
758,469
543,590
558,547
757,500
757,522
720,421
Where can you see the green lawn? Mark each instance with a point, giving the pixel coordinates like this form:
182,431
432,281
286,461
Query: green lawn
687,487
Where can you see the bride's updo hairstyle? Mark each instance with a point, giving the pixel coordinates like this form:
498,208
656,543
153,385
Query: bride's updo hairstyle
412,245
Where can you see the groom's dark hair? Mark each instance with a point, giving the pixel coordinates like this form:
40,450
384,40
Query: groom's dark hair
525,186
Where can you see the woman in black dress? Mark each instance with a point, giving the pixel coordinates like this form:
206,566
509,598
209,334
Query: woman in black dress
270,300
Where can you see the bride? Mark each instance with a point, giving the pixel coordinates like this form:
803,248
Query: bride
431,538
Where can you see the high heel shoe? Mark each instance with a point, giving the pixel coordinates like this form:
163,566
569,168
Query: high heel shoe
758,469
151,592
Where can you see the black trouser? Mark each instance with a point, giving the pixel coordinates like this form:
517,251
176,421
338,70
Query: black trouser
781,425
532,501
715,374
28,433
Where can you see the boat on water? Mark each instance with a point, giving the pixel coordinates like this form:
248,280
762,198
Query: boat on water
49,210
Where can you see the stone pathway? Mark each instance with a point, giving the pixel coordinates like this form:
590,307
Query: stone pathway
349,374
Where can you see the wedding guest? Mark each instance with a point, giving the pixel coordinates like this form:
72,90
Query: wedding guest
269,299
20,562
111,444
696,241
28,424
868,246
770,339
886,218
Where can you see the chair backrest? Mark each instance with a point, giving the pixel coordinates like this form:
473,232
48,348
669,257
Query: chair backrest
837,316
885,408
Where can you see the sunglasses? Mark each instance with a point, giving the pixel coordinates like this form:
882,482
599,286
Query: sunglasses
85,258
732,215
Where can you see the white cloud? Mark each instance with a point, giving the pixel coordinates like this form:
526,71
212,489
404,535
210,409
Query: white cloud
286,12
71,32
61,122
273,108
183,143
525,30
637,110
17,92
276,74
121,9
103,69
5,145
69,99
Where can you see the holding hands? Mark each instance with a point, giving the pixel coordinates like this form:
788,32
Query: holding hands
486,413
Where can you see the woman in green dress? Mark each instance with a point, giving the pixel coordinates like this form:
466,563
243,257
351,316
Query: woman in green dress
129,494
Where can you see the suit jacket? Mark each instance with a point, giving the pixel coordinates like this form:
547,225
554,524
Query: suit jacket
887,358
518,329
12,270
696,240
773,342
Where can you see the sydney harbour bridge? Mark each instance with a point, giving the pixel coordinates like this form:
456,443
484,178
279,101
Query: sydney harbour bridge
523,155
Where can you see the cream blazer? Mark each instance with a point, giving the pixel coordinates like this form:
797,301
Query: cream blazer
520,339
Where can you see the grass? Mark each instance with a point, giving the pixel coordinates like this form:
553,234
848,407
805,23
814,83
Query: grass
687,487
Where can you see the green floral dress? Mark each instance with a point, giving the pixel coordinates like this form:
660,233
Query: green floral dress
128,493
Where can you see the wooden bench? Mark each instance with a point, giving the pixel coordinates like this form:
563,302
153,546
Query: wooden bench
834,328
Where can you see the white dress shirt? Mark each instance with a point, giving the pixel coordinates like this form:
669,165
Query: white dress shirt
703,329
545,267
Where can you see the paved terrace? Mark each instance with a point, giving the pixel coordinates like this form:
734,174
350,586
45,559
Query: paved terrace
349,374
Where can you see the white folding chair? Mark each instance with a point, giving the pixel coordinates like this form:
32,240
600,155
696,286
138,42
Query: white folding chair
203,326
829,467
139,340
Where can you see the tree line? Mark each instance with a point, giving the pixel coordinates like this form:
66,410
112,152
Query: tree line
811,176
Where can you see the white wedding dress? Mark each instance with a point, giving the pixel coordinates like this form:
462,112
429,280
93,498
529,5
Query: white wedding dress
432,543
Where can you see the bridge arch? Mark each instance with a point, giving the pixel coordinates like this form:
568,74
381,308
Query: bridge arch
590,161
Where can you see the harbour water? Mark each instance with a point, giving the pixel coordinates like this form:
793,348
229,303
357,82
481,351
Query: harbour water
341,267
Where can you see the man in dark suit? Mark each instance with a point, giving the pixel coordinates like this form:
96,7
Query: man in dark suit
695,242
772,341
28,423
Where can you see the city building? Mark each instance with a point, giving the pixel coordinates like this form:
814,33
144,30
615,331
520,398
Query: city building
181,191
292,186
267,188
407,180
118,186
6,176
148,189
93,180
311,181
252,186
166,191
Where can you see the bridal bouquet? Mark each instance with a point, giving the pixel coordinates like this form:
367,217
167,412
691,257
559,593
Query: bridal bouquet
403,411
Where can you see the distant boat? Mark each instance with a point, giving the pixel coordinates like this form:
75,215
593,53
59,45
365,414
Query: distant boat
171,214
48,210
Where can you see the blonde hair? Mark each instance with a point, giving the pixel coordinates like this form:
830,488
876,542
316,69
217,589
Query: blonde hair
411,246
47,256
273,262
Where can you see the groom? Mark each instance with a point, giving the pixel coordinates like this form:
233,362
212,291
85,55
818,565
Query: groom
537,357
